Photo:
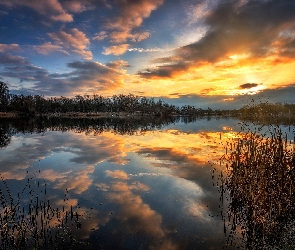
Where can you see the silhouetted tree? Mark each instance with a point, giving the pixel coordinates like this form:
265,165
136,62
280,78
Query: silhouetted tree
4,94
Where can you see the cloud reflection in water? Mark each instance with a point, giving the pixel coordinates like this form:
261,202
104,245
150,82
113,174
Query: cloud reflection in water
152,190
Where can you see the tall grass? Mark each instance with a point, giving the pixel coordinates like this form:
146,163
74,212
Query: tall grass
260,182
29,221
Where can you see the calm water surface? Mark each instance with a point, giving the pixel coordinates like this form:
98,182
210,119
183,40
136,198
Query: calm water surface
142,190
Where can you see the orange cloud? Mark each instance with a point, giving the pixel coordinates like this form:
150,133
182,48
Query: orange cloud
51,175
122,187
116,49
137,217
207,91
77,181
117,174
100,36
47,48
131,16
137,37
77,6
10,175
74,40
134,209
118,64
122,36
119,36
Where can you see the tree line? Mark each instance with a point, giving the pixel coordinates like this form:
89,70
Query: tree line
31,105
266,109
36,105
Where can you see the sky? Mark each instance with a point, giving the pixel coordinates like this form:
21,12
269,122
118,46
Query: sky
206,53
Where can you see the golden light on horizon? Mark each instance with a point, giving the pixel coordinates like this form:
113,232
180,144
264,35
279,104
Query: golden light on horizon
222,78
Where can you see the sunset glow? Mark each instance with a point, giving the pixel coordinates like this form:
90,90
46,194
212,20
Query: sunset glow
210,51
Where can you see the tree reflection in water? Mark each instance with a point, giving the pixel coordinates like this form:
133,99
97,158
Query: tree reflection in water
5,134
130,126
260,185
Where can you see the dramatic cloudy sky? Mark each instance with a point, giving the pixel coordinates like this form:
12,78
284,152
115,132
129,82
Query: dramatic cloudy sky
202,52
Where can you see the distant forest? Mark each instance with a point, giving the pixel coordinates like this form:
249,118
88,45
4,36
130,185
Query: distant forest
37,105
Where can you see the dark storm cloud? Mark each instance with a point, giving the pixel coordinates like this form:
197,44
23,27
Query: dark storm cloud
248,85
252,28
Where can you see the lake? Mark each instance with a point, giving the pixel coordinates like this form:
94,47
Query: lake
133,184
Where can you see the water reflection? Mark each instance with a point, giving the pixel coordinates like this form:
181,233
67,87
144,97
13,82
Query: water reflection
88,125
5,133
144,188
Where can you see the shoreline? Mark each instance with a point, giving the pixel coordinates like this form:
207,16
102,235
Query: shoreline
83,115
135,115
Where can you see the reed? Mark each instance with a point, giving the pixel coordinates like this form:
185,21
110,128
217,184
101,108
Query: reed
29,221
259,182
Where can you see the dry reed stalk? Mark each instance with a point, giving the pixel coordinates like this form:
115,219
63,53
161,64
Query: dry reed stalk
260,183
37,225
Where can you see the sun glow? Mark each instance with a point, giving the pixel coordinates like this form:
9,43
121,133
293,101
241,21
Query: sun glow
225,77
